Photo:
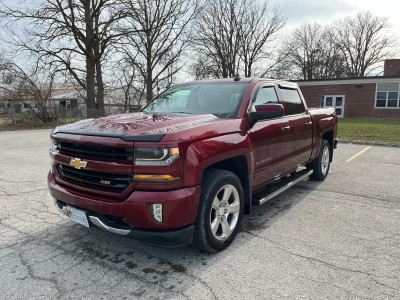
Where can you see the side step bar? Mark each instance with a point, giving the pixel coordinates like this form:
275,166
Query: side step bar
269,193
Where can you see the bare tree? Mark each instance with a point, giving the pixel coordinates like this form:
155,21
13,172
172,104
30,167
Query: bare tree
311,54
159,40
256,33
72,36
364,41
234,34
204,67
218,34
131,91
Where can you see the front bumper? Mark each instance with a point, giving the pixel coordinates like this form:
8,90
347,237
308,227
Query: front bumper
179,212
166,238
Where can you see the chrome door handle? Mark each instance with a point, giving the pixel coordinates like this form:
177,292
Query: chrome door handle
285,128
309,123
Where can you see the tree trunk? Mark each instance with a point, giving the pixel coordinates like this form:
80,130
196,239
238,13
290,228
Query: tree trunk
149,87
99,80
90,63
149,79
90,88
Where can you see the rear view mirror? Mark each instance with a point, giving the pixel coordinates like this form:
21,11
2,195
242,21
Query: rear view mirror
266,111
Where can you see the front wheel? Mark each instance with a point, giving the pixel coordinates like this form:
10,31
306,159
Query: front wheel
322,162
220,210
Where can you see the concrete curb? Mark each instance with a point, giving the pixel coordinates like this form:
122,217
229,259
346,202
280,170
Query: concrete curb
369,143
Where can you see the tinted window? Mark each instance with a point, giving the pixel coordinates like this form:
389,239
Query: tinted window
223,100
292,101
266,95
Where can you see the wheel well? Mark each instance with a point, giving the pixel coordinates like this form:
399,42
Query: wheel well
329,137
237,165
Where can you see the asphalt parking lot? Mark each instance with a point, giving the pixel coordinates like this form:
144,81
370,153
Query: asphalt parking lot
335,239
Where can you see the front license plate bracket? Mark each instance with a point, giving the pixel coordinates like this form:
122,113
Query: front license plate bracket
77,215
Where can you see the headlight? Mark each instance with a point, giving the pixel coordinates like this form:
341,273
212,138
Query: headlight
155,156
53,145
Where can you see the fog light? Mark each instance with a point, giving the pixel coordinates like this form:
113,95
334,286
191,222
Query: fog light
156,211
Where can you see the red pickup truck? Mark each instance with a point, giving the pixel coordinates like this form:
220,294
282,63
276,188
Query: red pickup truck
192,162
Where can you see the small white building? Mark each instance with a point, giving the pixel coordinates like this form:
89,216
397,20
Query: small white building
65,100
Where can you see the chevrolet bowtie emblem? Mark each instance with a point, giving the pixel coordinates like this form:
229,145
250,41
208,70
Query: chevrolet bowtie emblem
78,163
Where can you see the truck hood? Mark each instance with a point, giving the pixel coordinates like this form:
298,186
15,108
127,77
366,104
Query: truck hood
173,126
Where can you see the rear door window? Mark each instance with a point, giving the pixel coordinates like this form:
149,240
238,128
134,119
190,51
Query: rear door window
292,100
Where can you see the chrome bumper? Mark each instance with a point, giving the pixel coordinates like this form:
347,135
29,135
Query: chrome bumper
98,221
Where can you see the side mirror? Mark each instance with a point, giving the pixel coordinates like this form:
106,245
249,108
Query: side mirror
266,111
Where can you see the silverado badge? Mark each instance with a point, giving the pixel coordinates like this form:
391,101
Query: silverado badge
78,163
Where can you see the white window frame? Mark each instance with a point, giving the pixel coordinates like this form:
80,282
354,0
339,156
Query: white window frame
334,106
387,100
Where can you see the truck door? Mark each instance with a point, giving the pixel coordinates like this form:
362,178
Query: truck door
270,140
300,124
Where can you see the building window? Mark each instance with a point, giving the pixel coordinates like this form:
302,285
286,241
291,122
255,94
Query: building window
335,101
387,96
387,99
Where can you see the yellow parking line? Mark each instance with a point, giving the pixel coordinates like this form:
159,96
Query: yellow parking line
359,153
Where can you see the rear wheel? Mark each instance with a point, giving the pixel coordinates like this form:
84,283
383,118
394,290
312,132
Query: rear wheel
220,210
322,162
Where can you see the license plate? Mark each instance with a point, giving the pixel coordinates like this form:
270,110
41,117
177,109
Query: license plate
77,216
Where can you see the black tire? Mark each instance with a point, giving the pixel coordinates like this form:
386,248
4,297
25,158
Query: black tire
218,217
322,163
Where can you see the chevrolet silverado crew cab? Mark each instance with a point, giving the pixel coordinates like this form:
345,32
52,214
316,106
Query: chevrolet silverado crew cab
192,162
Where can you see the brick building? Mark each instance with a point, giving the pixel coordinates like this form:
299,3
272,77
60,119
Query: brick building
367,97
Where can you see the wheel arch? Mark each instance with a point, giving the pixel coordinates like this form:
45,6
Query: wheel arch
329,136
239,166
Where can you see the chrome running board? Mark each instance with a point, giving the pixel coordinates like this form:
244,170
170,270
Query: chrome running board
265,195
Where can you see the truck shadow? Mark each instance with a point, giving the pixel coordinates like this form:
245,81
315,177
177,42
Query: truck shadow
263,216
68,255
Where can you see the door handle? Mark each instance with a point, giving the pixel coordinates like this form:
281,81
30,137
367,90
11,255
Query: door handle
285,128
309,123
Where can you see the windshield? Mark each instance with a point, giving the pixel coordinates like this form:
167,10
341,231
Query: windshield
222,100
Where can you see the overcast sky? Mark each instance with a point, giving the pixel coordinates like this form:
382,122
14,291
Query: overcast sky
320,11
326,11
323,12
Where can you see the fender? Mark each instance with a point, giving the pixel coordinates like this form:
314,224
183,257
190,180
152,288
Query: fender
205,153
202,154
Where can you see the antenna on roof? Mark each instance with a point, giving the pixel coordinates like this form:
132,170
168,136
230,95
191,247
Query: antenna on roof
237,78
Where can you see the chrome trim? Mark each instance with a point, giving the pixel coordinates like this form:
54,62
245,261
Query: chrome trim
102,225
284,188
61,208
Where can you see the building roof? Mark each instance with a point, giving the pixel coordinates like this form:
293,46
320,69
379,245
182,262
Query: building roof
357,80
